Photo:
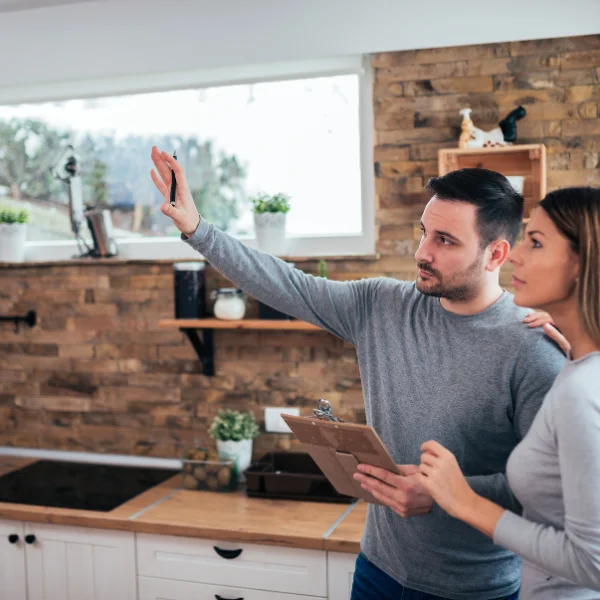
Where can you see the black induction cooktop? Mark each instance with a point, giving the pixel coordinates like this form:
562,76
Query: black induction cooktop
81,486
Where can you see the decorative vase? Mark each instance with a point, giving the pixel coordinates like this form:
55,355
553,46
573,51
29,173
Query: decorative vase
239,452
270,232
12,242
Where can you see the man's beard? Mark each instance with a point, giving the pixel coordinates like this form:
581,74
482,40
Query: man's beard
459,287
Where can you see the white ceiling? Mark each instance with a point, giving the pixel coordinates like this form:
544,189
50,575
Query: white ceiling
18,5
65,42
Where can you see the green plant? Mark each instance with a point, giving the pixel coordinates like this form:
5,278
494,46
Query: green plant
232,425
12,215
271,204
323,269
96,180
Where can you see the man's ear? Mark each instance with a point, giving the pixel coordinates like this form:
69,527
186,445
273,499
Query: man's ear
497,253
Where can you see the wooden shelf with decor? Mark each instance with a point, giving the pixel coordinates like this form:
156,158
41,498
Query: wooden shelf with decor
525,160
204,347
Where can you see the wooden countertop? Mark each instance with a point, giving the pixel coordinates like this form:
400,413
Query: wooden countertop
169,510
346,536
235,517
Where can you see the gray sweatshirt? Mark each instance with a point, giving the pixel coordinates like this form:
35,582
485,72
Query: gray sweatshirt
474,383
555,473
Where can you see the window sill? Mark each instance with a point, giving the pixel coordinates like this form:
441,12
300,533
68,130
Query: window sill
301,249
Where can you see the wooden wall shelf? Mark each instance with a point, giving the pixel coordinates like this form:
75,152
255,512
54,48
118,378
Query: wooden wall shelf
527,160
205,347
255,324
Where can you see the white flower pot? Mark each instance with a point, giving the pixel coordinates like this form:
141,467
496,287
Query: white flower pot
239,452
12,242
270,232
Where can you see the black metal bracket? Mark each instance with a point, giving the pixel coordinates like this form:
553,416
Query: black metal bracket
204,348
29,319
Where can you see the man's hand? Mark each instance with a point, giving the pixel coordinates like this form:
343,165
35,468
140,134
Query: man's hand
402,493
184,214
539,318
441,476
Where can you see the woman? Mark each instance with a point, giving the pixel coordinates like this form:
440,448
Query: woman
555,471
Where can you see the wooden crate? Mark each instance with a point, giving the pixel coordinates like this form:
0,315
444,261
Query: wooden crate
528,160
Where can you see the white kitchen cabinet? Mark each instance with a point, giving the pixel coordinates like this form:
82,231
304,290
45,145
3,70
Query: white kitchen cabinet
78,562
95,564
246,566
13,581
151,588
340,572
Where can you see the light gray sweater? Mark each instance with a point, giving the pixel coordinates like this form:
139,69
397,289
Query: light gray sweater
555,473
474,383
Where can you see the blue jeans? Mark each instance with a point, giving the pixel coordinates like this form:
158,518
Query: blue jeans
371,583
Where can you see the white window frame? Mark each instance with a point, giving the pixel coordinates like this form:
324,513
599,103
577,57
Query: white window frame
151,248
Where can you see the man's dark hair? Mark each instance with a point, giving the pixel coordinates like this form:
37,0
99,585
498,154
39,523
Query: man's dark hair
499,205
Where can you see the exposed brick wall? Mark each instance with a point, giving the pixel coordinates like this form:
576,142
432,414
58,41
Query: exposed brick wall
98,374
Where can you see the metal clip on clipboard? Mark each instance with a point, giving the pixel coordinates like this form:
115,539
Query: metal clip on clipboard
324,411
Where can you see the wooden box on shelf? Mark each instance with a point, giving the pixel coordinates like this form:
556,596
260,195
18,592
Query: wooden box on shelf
527,160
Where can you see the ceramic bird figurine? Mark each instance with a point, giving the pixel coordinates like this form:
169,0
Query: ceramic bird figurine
503,135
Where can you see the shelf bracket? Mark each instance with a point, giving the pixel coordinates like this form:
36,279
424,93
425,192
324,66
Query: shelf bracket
29,319
204,348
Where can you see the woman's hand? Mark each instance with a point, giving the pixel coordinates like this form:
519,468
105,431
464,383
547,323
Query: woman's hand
537,318
540,318
441,476
184,214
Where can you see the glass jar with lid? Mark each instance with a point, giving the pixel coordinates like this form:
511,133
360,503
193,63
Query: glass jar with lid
230,304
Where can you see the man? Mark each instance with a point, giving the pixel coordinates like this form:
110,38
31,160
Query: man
445,358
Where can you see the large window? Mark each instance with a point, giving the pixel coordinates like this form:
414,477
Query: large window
305,136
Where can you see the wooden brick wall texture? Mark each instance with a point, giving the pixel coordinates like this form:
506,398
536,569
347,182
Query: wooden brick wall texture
98,374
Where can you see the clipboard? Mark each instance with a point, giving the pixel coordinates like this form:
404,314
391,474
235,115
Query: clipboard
338,448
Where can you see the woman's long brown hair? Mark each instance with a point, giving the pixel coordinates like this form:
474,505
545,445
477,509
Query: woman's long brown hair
576,213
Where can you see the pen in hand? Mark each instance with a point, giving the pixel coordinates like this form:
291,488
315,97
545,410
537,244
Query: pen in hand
173,182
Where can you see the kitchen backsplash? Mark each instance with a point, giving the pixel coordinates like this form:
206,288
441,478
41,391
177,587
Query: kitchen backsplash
98,374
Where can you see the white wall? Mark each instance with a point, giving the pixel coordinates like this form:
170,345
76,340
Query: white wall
109,38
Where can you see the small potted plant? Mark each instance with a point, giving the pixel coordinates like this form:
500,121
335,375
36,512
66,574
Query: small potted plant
322,267
234,431
269,222
13,233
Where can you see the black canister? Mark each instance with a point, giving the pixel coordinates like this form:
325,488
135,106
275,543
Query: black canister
190,290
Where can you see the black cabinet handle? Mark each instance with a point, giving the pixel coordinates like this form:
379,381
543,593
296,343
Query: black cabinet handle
217,597
30,538
228,554
13,538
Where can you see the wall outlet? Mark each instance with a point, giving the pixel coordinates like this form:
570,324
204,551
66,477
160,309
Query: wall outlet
273,421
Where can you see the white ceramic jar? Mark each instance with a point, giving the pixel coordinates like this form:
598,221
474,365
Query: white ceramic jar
230,304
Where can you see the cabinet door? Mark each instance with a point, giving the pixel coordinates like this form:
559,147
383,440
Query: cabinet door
13,583
167,589
81,563
340,572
